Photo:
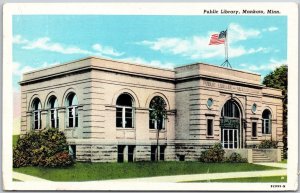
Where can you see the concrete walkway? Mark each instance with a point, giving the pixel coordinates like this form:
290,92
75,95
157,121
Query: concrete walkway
27,178
272,164
183,178
211,176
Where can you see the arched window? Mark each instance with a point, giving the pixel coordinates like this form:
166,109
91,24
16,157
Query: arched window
72,110
230,109
36,107
266,122
53,116
158,103
124,111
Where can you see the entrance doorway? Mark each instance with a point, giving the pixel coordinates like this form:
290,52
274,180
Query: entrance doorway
230,124
230,138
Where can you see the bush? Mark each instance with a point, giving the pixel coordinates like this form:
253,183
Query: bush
236,158
61,159
213,154
267,144
38,148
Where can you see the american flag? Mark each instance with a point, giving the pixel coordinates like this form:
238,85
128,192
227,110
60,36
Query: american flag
217,39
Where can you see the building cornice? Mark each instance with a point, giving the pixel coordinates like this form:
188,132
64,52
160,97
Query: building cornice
199,76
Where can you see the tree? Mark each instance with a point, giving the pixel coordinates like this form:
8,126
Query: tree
278,79
158,113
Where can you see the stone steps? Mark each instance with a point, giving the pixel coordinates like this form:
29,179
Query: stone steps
259,156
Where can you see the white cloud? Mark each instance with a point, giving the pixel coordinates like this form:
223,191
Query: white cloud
19,69
270,29
237,33
270,66
45,43
18,39
106,50
154,63
197,47
46,64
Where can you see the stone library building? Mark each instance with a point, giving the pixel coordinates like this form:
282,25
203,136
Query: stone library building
103,107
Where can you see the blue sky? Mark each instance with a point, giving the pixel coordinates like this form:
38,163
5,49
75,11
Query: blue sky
256,43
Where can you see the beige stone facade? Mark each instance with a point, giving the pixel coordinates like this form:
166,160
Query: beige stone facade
200,100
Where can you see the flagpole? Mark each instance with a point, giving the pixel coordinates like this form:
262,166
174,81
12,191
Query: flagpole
227,44
226,62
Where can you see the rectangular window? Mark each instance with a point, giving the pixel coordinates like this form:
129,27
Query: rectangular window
128,118
73,116
70,117
124,117
156,124
254,129
121,153
266,126
210,127
153,152
37,119
53,118
151,121
76,116
119,117
162,152
131,153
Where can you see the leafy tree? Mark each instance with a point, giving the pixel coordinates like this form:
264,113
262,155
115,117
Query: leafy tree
279,79
158,113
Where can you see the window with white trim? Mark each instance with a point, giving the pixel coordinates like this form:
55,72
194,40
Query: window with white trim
266,122
124,111
53,115
36,114
160,122
72,110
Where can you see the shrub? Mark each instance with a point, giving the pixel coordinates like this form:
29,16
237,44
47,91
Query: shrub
267,144
61,159
236,158
213,154
38,148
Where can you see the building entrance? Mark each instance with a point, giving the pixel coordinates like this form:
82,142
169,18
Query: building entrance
230,138
230,123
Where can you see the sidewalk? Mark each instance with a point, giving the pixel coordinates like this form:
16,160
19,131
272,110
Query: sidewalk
211,176
278,165
27,178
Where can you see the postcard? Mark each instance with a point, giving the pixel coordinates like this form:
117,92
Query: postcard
150,96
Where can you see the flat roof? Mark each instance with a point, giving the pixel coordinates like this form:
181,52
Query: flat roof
180,72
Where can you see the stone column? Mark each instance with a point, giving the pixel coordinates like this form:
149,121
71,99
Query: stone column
61,119
29,123
44,120
125,153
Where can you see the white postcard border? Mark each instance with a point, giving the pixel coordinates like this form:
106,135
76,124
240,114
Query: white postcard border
288,9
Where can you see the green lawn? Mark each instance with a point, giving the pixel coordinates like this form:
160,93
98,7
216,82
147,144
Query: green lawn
284,161
250,179
15,139
104,171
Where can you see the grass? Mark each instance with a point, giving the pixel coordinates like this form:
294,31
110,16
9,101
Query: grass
284,161
15,139
250,179
105,171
